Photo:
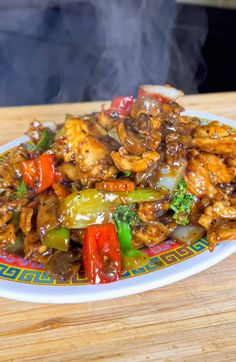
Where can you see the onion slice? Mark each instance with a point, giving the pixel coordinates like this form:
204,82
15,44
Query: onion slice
164,90
188,234
169,177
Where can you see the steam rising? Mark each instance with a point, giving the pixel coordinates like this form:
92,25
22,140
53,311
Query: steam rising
65,51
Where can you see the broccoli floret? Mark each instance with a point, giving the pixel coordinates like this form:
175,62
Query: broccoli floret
126,214
181,203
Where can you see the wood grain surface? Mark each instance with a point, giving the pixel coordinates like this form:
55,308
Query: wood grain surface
192,320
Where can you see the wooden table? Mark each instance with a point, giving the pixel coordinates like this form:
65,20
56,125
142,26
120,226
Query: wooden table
192,320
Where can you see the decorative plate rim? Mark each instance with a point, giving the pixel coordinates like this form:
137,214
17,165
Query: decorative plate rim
140,283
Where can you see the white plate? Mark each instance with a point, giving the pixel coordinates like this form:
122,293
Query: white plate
169,262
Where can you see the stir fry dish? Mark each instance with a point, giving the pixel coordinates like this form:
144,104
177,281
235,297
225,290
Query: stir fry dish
89,196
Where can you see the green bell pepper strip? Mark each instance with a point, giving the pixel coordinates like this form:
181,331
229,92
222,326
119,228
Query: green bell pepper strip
124,217
86,207
134,259
22,190
124,235
15,219
60,133
58,239
45,140
16,247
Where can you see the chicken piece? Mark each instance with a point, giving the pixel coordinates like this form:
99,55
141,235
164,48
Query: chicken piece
218,171
62,151
17,156
207,217
149,234
196,210
213,130
13,205
222,231
7,175
91,147
198,180
127,162
219,210
150,211
94,162
34,249
25,219
69,170
77,129
47,217
7,236
215,138
230,160
223,209
5,218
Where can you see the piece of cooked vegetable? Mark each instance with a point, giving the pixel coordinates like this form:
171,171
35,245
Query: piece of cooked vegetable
16,247
169,176
101,254
60,191
164,92
180,204
78,210
45,140
38,174
146,195
113,134
115,185
188,234
121,105
90,206
134,259
125,218
58,239
127,174
22,190
61,132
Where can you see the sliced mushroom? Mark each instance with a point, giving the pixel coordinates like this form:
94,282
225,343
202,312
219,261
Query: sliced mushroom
134,143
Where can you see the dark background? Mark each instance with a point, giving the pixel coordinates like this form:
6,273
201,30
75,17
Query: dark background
35,53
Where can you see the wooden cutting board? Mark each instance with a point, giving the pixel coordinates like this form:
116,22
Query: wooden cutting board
192,320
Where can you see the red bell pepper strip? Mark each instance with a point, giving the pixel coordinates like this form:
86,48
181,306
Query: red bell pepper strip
39,174
159,97
121,105
101,254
